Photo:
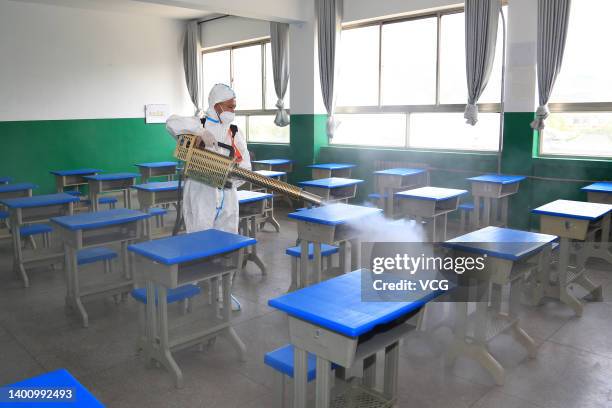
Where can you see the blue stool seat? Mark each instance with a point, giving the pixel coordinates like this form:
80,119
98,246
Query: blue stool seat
174,295
376,196
34,229
282,360
4,215
468,206
95,254
326,250
156,211
75,193
102,200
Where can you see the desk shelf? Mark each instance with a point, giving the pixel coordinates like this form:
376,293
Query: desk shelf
42,255
110,285
496,324
345,395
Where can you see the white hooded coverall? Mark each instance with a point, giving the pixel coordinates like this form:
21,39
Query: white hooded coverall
204,206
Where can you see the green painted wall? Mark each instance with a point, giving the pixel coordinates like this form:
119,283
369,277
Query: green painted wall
519,157
307,136
32,148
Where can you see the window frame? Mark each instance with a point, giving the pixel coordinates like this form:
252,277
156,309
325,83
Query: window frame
263,43
409,109
573,107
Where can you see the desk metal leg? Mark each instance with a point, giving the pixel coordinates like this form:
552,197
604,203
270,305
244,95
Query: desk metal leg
231,334
564,294
391,370
253,254
388,202
504,211
295,278
322,383
151,324
128,198
342,257
303,282
355,253
476,350
486,216
164,352
316,261
76,296
517,332
300,377
68,277
369,371
269,215
476,219
18,266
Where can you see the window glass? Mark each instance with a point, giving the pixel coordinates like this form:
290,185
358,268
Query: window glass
449,131
371,130
358,69
587,63
216,69
578,134
453,87
247,77
263,129
409,62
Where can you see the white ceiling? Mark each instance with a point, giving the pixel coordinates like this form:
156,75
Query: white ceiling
131,6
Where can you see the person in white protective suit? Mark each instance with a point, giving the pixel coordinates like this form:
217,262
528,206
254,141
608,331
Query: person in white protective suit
204,206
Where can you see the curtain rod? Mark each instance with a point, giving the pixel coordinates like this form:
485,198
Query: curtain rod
214,18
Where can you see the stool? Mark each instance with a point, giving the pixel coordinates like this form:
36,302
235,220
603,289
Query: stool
180,294
96,254
377,199
281,360
158,213
466,212
4,215
296,253
111,201
28,231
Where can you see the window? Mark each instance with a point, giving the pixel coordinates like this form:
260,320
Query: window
371,130
405,82
408,63
359,87
581,103
247,77
578,134
453,86
248,69
441,130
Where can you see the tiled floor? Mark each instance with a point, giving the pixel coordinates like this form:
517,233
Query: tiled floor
573,367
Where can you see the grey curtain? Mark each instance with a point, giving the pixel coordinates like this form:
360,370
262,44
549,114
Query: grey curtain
329,19
481,20
192,64
279,36
553,17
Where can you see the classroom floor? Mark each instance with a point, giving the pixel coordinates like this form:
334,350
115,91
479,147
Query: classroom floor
573,367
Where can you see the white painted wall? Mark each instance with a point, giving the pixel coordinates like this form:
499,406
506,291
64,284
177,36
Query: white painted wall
521,78
359,10
231,29
67,63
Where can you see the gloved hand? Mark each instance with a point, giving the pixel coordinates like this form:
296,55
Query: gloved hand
208,140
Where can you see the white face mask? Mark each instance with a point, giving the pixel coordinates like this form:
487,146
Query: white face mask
227,117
